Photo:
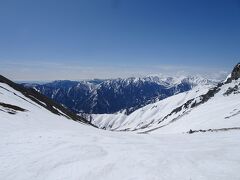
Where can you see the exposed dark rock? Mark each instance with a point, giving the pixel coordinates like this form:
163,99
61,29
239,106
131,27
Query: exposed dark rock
190,131
235,74
13,107
213,130
231,90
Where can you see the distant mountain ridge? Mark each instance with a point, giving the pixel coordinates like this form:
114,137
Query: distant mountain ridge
113,95
203,109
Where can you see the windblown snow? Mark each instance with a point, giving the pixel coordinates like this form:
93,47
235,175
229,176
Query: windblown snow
37,144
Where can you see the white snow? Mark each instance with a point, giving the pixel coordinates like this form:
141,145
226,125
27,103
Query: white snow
211,115
37,144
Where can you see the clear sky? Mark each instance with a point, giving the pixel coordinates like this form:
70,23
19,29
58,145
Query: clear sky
81,39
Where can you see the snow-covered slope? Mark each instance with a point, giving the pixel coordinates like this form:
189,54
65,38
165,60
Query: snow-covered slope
199,108
20,102
146,116
36,143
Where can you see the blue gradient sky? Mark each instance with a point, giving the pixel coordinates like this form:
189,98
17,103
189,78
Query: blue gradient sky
81,39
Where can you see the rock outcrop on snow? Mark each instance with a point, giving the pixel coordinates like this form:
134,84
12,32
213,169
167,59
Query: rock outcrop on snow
236,72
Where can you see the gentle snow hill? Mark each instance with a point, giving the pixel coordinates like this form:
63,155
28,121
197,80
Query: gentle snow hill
36,143
203,107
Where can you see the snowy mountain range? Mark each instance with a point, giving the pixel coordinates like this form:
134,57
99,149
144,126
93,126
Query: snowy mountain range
203,107
110,96
191,135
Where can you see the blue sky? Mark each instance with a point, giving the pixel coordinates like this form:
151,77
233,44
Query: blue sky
81,39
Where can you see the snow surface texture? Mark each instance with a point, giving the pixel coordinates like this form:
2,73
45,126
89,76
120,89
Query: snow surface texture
36,144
